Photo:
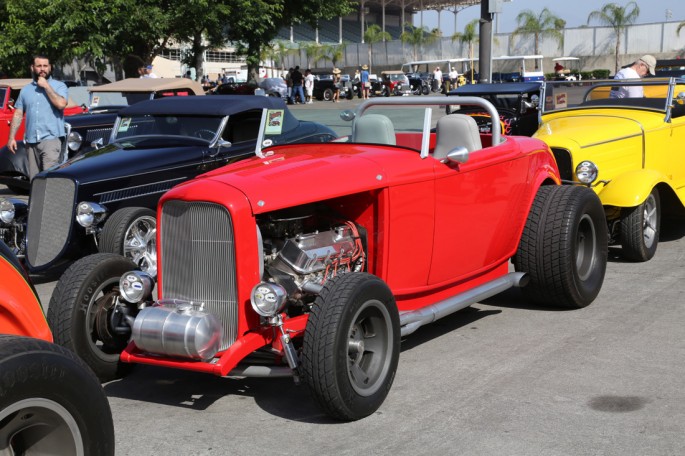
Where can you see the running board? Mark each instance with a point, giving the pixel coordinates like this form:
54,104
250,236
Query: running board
412,320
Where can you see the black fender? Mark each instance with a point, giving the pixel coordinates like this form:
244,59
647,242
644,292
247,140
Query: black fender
13,165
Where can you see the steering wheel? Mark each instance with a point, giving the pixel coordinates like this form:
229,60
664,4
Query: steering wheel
205,134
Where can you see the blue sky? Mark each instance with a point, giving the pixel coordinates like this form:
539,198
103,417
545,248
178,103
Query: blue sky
575,12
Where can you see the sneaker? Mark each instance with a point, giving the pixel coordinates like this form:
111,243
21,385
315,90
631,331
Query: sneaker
310,102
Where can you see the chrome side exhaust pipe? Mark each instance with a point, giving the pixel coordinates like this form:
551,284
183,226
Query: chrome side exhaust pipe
413,320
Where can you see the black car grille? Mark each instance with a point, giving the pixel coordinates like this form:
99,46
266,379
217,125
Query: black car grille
50,218
564,163
198,260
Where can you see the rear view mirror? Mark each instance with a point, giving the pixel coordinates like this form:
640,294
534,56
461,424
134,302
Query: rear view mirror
458,155
347,115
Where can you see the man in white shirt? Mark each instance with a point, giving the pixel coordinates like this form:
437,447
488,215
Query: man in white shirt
149,73
637,70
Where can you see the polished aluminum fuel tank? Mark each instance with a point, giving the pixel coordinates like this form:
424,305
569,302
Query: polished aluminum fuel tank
177,328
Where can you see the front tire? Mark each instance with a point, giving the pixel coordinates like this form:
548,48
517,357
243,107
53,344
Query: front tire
81,313
50,402
640,227
351,346
564,247
327,95
132,233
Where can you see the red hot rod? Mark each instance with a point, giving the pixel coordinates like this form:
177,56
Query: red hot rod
313,260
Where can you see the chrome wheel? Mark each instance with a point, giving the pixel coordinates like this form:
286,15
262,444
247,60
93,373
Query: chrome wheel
650,226
37,426
140,244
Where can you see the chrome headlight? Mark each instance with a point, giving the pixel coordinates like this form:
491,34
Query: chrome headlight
136,286
586,172
74,141
89,214
268,299
6,211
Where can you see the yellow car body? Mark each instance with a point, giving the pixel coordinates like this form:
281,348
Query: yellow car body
636,146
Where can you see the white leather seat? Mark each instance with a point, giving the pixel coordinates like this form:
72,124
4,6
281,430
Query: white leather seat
455,130
375,129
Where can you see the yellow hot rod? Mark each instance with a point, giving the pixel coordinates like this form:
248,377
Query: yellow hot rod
630,150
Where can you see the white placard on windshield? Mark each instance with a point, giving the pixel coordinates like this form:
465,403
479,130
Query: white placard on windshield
125,123
274,122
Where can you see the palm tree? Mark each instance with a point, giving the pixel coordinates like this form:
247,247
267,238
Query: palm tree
470,37
314,53
375,34
417,37
336,53
542,25
618,18
680,26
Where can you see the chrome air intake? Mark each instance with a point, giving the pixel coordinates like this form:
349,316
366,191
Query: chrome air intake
198,260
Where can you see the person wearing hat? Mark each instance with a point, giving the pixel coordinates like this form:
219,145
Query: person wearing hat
366,82
638,69
337,83
149,73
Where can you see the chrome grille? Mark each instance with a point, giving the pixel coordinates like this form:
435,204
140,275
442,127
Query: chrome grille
98,133
198,260
50,217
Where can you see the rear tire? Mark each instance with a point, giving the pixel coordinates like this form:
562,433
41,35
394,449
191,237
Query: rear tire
327,95
80,313
640,227
351,346
564,247
132,233
50,402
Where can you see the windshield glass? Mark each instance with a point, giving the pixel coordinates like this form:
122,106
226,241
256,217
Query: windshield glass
649,93
99,99
202,127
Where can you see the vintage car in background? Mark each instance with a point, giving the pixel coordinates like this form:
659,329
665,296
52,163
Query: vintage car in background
324,87
50,400
93,129
667,68
391,83
105,199
313,260
419,83
516,102
626,149
274,87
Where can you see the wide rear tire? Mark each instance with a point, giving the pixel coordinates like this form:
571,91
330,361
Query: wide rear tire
81,311
50,402
640,227
351,346
564,247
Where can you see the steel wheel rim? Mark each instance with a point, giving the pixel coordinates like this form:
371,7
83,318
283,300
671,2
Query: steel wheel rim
140,244
649,222
369,344
586,247
95,340
39,426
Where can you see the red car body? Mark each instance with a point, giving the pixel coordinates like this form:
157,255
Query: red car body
424,233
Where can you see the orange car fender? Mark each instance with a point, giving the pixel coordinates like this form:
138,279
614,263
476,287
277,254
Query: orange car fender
20,310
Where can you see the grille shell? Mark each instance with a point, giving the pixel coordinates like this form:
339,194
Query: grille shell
198,260
50,219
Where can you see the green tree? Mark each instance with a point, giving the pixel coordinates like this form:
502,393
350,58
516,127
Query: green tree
336,53
374,34
680,26
543,25
417,37
618,18
470,37
260,20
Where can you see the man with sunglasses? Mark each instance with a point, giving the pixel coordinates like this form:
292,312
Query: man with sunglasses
639,69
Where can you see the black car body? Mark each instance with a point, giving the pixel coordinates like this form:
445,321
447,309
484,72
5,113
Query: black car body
324,87
77,207
516,102
419,83
93,129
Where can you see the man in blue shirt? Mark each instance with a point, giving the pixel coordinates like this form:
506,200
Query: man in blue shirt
43,101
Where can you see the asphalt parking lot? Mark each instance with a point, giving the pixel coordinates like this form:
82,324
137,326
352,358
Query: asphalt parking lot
499,378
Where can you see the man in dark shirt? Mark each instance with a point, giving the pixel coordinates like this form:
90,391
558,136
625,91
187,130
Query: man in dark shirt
297,78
